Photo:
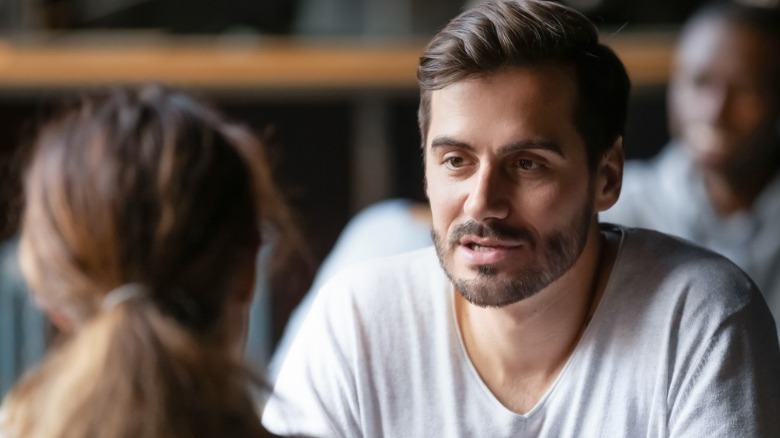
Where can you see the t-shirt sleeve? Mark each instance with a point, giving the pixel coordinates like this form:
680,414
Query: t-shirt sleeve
315,392
732,384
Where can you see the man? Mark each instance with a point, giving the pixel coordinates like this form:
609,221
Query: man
529,318
718,182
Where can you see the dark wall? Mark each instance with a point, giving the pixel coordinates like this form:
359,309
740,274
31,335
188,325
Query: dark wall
18,119
173,16
309,145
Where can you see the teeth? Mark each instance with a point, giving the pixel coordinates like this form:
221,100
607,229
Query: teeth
480,248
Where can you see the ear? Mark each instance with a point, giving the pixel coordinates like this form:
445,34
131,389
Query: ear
609,177
59,319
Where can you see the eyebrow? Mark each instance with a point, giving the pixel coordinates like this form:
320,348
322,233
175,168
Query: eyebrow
449,141
531,143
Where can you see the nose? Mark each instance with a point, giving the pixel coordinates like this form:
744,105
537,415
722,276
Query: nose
488,198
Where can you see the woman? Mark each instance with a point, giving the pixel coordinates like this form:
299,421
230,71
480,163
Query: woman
144,213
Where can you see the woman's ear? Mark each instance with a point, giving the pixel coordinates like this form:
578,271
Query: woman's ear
59,319
609,177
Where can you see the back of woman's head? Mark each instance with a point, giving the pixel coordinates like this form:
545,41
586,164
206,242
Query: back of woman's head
156,197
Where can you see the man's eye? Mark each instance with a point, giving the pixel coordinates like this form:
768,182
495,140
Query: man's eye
525,164
454,162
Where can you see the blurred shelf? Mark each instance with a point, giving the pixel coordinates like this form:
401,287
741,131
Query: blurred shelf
647,54
259,66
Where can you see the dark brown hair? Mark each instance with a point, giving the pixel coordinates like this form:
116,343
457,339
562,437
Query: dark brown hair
152,188
514,33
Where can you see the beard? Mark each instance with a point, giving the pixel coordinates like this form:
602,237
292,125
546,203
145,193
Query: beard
559,250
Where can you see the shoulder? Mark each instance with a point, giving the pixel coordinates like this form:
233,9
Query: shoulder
414,265
381,301
679,255
365,322
690,299
711,328
385,228
682,270
389,280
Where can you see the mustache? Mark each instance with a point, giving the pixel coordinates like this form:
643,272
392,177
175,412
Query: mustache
496,230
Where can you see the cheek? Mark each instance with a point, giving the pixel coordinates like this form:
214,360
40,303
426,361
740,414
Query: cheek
750,113
445,199
684,101
553,206
444,202
544,207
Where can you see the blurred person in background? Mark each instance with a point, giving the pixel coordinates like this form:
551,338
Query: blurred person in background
144,213
717,182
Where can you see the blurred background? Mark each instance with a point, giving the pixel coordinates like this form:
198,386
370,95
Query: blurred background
330,84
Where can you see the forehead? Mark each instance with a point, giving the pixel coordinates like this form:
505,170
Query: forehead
509,105
717,46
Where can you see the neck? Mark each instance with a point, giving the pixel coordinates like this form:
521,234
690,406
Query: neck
519,349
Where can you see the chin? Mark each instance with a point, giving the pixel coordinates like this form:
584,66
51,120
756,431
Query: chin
709,156
489,286
495,293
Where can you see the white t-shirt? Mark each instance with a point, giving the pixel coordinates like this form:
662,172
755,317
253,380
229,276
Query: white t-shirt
667,194
382,229
680,345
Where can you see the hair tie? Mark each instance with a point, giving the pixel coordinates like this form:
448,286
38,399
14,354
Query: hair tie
125,292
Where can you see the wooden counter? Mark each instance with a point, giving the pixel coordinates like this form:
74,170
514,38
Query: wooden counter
261,65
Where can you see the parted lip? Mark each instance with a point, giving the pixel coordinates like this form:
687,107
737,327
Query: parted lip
499,236
471,240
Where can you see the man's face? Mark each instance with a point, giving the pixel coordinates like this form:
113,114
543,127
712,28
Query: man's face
508,182
723,103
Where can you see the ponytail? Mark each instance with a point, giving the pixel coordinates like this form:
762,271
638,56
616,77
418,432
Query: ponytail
132,371
143,186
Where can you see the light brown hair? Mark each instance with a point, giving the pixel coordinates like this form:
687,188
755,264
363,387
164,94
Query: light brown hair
148,187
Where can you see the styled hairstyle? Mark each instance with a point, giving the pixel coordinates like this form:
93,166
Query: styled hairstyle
499,34
149,188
